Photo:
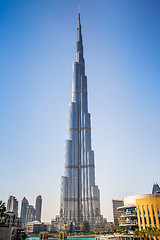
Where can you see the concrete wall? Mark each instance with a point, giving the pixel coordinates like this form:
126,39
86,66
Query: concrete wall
5,233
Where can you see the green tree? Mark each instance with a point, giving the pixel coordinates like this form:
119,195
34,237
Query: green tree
136,233
2,210
148,233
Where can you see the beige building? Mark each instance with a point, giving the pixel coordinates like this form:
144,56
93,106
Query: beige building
117,212
36,227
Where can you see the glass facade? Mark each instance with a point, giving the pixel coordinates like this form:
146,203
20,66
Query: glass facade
129,217
23,215
80,200
38,208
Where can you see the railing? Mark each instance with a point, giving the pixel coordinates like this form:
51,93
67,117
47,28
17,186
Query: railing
129,215
128,223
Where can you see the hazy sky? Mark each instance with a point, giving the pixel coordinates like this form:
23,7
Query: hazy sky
122,53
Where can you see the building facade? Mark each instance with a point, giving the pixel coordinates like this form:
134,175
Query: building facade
23,215
80,196
12,220
117,212
36,227
12,205
155,188
129,219
140,211
12,226
38,208
30,214
148,211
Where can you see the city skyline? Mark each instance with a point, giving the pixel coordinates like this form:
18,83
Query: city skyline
37,43
31,213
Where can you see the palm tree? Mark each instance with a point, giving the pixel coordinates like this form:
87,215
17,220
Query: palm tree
136,233
153,231
143,233
140,234
158,232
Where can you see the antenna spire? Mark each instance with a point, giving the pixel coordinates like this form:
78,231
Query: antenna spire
79,17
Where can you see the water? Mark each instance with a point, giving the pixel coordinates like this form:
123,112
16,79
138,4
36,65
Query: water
36,238
70,238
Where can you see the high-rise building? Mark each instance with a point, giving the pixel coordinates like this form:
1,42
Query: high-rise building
116,212
12,205
155,188
38,208
80,196
24,207
30,214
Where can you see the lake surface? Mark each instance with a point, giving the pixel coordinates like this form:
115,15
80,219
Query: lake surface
70,238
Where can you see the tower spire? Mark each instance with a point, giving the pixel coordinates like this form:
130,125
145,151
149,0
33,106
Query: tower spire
79,44
79,13
79,21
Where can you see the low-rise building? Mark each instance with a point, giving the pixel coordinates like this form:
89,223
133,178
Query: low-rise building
11,228
36,227
12,220
140,211
117,212
148,211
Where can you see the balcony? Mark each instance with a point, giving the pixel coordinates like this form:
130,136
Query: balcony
129,223
128,215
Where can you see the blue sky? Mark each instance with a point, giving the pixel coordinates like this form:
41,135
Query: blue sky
122,52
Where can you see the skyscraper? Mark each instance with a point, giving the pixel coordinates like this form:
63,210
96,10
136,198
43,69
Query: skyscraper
30,214
12,204
38,208
155,188
24,207
80,197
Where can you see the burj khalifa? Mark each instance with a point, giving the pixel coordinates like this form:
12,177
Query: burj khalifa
80,196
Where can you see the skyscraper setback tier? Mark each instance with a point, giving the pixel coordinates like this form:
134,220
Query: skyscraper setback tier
12,204
80,197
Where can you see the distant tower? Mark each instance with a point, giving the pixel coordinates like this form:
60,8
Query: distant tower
24,207
31,214
38,208
155,188
117,213
80,196
12,205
